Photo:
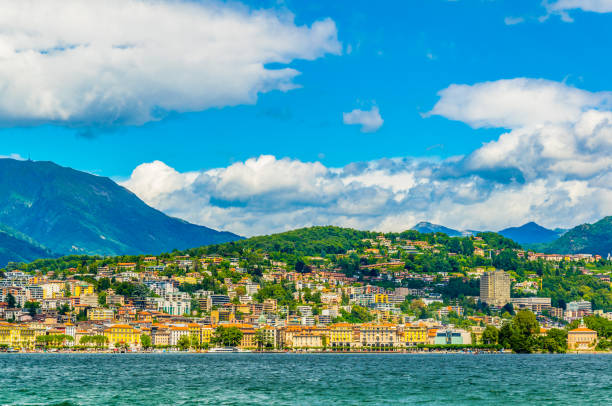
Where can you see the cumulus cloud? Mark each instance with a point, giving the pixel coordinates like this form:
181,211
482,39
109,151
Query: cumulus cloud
369,120
549,166
516,103
113,62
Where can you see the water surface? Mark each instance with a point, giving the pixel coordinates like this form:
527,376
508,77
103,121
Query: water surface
303,379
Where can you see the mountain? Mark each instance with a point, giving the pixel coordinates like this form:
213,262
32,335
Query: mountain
19,248
593,238
531,233
425,227
73,212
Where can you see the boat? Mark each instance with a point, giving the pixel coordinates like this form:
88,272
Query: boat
223,349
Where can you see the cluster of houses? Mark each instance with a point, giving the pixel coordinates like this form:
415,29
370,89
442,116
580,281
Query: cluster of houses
70,308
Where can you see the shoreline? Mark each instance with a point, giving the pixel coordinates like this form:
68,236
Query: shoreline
301,352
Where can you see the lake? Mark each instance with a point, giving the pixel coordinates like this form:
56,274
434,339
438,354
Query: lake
303,379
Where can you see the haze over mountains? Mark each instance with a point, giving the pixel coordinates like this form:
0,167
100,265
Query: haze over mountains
48,209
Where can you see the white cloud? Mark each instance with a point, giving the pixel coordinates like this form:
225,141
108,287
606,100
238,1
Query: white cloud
549,167
110,62
562,8
370,120
516,103
597,6
513,20
15,156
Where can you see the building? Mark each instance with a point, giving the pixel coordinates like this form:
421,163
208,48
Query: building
308,339
90,299
99,313
216,300
447,337
495,288
581,338
176,332
414,335
535,304
340,335
122,335
269,305
378,335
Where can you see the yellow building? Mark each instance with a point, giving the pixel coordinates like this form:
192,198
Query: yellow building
340,335
186,279
581,338
381,298
81,289
206,334
222,315
19,336
122,334
414,335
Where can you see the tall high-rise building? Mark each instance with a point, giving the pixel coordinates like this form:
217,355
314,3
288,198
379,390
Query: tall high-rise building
495,288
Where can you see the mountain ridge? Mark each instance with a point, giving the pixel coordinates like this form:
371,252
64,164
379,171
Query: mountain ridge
73,212
595,238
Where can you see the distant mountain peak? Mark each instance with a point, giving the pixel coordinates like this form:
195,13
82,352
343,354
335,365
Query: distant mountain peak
427,227
530,233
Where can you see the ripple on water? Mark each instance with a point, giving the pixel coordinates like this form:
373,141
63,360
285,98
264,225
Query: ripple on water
315,379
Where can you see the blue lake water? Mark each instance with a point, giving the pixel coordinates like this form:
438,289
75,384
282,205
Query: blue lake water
304,379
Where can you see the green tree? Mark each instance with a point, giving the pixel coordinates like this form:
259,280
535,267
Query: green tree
554,341
145,341
10,301
227,336
32,307
184,343
520,333
490,335
260,339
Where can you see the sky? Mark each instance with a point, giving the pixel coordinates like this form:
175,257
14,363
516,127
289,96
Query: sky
264,116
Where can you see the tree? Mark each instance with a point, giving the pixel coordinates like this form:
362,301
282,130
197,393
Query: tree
184,342
227,336
509,308
490,335
10,301
520,333
32,307
145,341
63,309
554,341
260,339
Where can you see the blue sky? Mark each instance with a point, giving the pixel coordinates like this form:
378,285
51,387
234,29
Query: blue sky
395,56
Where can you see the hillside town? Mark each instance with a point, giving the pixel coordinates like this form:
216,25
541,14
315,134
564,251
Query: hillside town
374,296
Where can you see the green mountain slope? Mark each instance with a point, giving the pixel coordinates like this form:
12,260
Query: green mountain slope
593,238
16,247
73,212
304,241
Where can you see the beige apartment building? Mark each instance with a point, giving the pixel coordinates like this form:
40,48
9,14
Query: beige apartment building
495,288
